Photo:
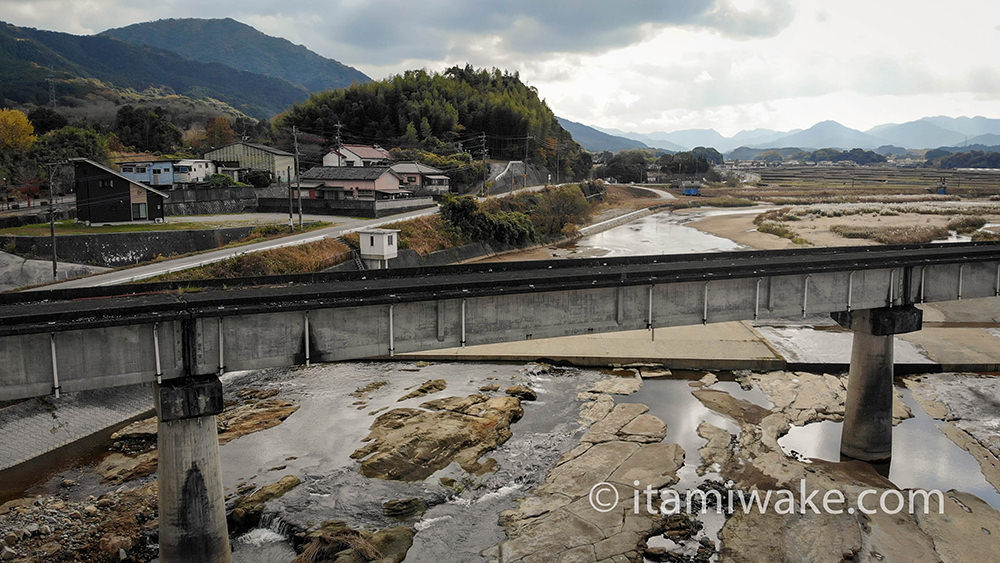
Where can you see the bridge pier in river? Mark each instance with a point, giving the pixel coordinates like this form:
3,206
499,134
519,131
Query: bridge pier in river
867,430
191,503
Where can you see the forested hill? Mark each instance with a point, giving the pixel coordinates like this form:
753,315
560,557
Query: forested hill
28,56
436,112
242,47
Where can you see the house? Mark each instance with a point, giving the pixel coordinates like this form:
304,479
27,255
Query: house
279,163
178,172
357,156
340,182
106,196
421,178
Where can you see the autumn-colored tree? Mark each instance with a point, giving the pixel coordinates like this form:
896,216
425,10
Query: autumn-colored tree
16,132
218,132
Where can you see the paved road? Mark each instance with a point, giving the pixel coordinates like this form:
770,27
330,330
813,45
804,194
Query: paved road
166,266
344,225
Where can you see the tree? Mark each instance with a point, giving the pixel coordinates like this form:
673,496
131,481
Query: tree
16,132
70,142
218,132
146,129
46,119
258,178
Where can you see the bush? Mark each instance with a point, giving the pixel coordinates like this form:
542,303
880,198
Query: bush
892,235
221,181
258,178
965,225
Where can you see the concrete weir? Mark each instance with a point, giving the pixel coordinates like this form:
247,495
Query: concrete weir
867,430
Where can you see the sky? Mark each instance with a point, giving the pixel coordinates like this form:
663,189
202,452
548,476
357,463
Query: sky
640,65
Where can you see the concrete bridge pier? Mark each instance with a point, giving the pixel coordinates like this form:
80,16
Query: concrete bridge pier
867,430
191,503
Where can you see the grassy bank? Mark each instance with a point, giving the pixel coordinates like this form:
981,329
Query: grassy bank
299,259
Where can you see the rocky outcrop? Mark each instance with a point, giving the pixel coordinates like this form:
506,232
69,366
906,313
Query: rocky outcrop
426,388
135,445
248,509
409,444
560,523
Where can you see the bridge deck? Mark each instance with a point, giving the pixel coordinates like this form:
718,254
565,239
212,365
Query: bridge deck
55,311
110,336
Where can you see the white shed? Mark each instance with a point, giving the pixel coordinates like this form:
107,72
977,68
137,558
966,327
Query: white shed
378,246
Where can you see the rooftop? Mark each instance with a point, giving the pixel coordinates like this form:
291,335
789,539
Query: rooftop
414,168
345,173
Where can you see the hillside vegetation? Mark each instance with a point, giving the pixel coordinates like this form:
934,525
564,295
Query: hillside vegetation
242,47
436,112
83,65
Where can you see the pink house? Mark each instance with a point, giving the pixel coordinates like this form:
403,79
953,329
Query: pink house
338,182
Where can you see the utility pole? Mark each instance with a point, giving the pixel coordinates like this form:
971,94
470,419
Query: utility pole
524,176
557,161
288,174
338,126
486,170
298,187
52,215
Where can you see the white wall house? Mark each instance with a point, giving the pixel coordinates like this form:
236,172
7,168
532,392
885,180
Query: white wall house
169,172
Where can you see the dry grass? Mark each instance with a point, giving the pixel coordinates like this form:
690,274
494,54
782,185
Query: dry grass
721,201
911,234
780,230
967,224
300,259
985,236
424,235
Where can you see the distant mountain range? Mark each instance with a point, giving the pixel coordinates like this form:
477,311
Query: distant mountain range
925,133
220,59
597,141
242,47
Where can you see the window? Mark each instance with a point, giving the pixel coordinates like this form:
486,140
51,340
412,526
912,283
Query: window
128,169
140,170
390,240
156,171
139,211
104,183
411,179
372,242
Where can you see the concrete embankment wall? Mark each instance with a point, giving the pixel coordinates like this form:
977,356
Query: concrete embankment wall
122,249
210,201
350,207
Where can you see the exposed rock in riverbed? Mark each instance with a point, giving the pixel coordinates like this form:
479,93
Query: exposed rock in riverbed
559,523
754,461
247,509
808,397
426,388
138,440
93,530
410,444
968,406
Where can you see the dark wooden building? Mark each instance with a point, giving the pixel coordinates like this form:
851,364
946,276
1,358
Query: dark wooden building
105,196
